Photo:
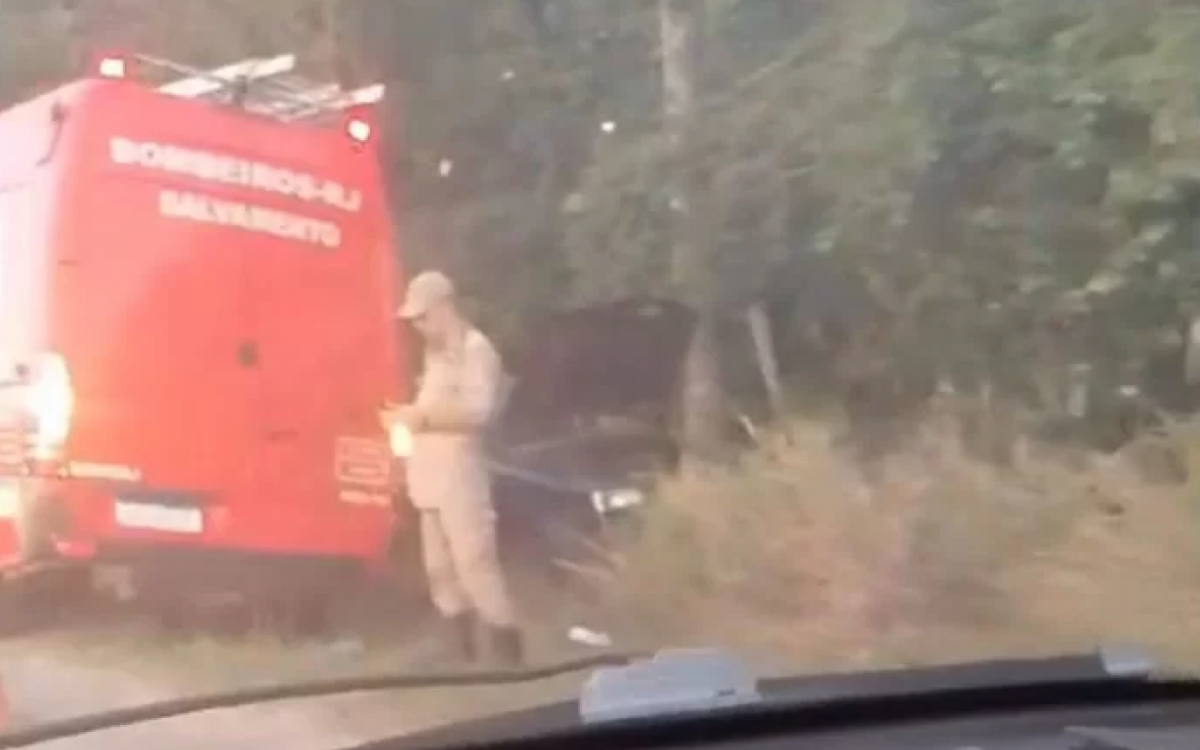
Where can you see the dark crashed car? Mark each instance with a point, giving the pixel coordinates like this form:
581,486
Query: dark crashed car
584,429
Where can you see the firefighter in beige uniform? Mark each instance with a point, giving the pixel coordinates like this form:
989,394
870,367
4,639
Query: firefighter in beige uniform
447,473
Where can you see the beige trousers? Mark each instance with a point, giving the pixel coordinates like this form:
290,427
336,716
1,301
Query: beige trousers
462,563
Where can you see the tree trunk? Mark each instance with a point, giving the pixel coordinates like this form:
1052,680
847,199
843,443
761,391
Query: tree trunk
702,408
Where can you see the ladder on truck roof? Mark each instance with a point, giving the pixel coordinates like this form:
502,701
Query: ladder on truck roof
265,86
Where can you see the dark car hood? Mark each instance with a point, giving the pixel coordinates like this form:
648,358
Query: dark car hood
586,462
590,393
606,359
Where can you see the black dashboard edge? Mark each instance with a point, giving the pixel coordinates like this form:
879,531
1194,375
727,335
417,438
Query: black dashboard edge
843,713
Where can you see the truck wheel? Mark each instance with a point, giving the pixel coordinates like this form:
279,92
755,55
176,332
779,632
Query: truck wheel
5,708
311,619
32,521
12,611
174,619
50,597
302,618
63,588
20,611
297,618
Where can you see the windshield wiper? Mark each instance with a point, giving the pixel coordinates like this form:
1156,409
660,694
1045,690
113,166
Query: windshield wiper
99,722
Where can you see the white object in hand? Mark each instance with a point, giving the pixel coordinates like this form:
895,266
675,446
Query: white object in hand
401,440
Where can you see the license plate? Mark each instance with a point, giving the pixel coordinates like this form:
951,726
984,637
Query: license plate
160,517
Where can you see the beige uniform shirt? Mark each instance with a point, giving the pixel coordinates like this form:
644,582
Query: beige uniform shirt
449,467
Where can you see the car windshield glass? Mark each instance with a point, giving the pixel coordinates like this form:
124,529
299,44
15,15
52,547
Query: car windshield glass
363,337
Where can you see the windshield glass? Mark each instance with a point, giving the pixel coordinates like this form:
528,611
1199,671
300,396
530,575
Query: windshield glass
411,336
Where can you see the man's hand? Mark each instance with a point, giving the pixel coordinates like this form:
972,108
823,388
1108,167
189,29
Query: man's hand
397,420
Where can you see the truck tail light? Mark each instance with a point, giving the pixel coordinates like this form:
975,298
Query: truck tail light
52,406
359,130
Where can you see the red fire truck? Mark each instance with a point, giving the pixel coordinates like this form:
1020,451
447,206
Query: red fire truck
196,281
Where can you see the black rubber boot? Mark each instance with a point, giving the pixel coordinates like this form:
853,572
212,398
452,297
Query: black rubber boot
506,646
460,634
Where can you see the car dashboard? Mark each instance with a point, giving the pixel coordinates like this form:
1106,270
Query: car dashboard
1072,703
1172,726
1143,728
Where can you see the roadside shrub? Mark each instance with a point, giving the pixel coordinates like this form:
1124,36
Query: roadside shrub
795,556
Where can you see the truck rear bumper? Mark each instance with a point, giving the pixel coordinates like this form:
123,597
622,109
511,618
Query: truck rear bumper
159,572
81,520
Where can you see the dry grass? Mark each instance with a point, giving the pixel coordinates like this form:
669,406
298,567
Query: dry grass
794,557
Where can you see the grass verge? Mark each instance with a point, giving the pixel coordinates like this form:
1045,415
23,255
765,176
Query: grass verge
794,557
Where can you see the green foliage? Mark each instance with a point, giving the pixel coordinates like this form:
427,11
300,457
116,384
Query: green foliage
1015,183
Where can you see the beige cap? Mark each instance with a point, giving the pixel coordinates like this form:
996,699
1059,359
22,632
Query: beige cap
424,291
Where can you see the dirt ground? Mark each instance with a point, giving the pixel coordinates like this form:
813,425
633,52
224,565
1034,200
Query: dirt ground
87,657
67,674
